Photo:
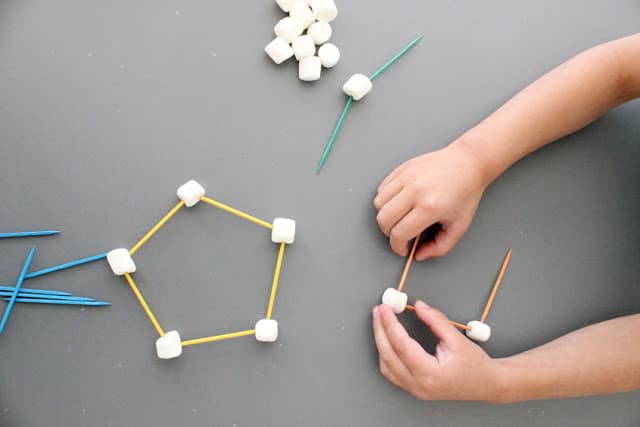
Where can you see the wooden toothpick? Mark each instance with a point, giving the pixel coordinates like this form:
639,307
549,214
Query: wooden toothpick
496,285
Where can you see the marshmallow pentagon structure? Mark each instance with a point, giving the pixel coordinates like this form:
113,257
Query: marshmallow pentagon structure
357,86
329,55
283,231
121,262
480,332
169,346
395,299
190,193
288,29
266,330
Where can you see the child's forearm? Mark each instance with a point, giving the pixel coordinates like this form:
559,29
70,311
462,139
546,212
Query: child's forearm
562,101
601,358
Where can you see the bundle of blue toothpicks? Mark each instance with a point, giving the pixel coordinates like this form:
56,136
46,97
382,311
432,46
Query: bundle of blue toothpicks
18,294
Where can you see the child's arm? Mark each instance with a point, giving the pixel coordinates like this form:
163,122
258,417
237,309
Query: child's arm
445,186
602,358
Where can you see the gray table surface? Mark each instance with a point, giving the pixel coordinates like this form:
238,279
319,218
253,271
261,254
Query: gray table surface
107,107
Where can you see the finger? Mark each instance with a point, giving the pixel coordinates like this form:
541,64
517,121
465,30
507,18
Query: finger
392,175
439,325
407,228
442,243
393,211
410,353
388,192
390,365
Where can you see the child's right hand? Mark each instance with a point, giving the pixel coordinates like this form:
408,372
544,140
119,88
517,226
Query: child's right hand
443,187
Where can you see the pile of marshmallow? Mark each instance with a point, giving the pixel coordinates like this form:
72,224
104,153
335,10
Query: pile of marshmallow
306,27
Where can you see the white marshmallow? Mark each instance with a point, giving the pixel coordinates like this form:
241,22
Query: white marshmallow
288,29
309,69
169,346
479,331
320,32
303,46
267,330
279,50
324,10
121,262
284,231
190,193
300,11
329,55
357,86
285,5
395,299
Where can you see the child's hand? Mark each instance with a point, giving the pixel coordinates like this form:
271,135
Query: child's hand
460,370
440,187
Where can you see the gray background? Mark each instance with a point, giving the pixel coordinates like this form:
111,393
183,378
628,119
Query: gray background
107,107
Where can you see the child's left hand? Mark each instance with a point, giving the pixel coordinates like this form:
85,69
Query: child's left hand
460,370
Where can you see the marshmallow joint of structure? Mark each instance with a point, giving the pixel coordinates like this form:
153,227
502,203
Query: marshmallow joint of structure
283,231
190,193
169,346
357,86
298,34
267,330
478,331
121,262
395,299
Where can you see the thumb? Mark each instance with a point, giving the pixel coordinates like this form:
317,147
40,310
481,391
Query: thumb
439,324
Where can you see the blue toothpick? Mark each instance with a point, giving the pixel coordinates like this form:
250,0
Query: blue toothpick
35,291
22,295
58,302
14,295
28,234
66,265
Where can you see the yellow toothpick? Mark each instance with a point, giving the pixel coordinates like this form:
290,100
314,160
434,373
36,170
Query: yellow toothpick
144,304
218,337
276,279
236,212
156,227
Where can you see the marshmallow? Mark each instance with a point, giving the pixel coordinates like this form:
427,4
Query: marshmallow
479,331
284,230
169,345
190,193
395,299
329,55
357,86
285,5
121,262
320,32
279,50
309,69
267,330
303,46
324,10
288,29
300,11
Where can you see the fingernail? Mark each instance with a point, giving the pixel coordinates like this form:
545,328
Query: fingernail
374,312
420,302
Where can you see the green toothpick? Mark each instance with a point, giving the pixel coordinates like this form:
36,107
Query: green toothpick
347,106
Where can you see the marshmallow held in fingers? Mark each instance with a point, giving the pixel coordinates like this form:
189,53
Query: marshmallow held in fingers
478,331
324,10
288,29
395,299
279,50
300,11
303,46
357,86
329,55
320,32
309,69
